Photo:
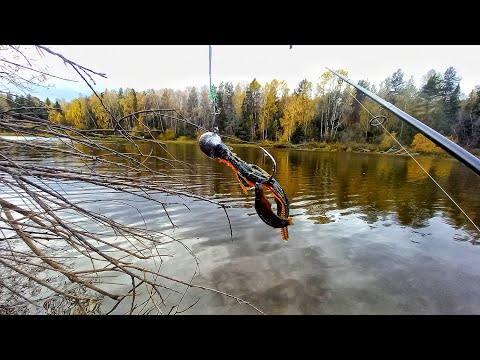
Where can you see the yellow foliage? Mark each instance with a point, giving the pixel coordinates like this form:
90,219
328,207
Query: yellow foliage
307,110
269,108
129,103
329,82
101,115
290,117
443,167
167,135
326,76
198,134
387,141
415,172
298,109
237,98
56,117
76,113
141,105
421,144
4,104
138,130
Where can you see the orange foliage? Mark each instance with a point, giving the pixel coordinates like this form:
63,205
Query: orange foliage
421,144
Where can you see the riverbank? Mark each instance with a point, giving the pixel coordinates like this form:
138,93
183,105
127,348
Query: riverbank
311,146
333,147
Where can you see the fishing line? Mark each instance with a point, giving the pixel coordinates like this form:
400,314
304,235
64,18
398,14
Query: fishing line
378,123
213,98
216,112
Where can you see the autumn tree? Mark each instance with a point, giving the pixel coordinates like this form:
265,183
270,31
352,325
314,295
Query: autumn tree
4,105
100,115
76,113
167,101
467,129
140,123
150,101
333,104
289,117
403,94
56,115
111,99
271,113
205,114
305,105
237,99
357,101
409,102
283,94
180,101
129,105
269,107
251,107
192,103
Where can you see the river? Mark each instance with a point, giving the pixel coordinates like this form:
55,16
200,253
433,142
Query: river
372,234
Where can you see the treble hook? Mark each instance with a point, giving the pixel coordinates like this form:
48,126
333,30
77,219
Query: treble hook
274,164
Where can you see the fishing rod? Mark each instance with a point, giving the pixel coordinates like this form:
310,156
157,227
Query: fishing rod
453,149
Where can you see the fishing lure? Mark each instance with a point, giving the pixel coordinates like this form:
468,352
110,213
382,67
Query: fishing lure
250,176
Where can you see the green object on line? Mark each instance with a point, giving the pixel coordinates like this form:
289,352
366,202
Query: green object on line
212,94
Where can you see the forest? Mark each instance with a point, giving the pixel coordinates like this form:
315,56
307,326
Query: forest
327,111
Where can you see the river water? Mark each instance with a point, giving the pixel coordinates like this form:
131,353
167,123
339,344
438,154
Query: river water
372,234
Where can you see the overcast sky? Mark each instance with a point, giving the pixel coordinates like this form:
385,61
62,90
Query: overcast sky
157,66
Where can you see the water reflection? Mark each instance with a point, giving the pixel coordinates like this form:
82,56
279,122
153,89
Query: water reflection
372,234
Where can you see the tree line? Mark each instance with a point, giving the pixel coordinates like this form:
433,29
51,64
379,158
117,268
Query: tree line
322,112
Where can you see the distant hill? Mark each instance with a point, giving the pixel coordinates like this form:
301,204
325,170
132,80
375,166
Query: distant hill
59,93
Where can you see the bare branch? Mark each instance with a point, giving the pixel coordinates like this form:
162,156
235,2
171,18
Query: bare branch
60,190
41,72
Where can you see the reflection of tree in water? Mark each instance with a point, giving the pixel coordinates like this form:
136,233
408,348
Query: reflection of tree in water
415,173
414,216
319,214
371,215
377,185
373,187
455,184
